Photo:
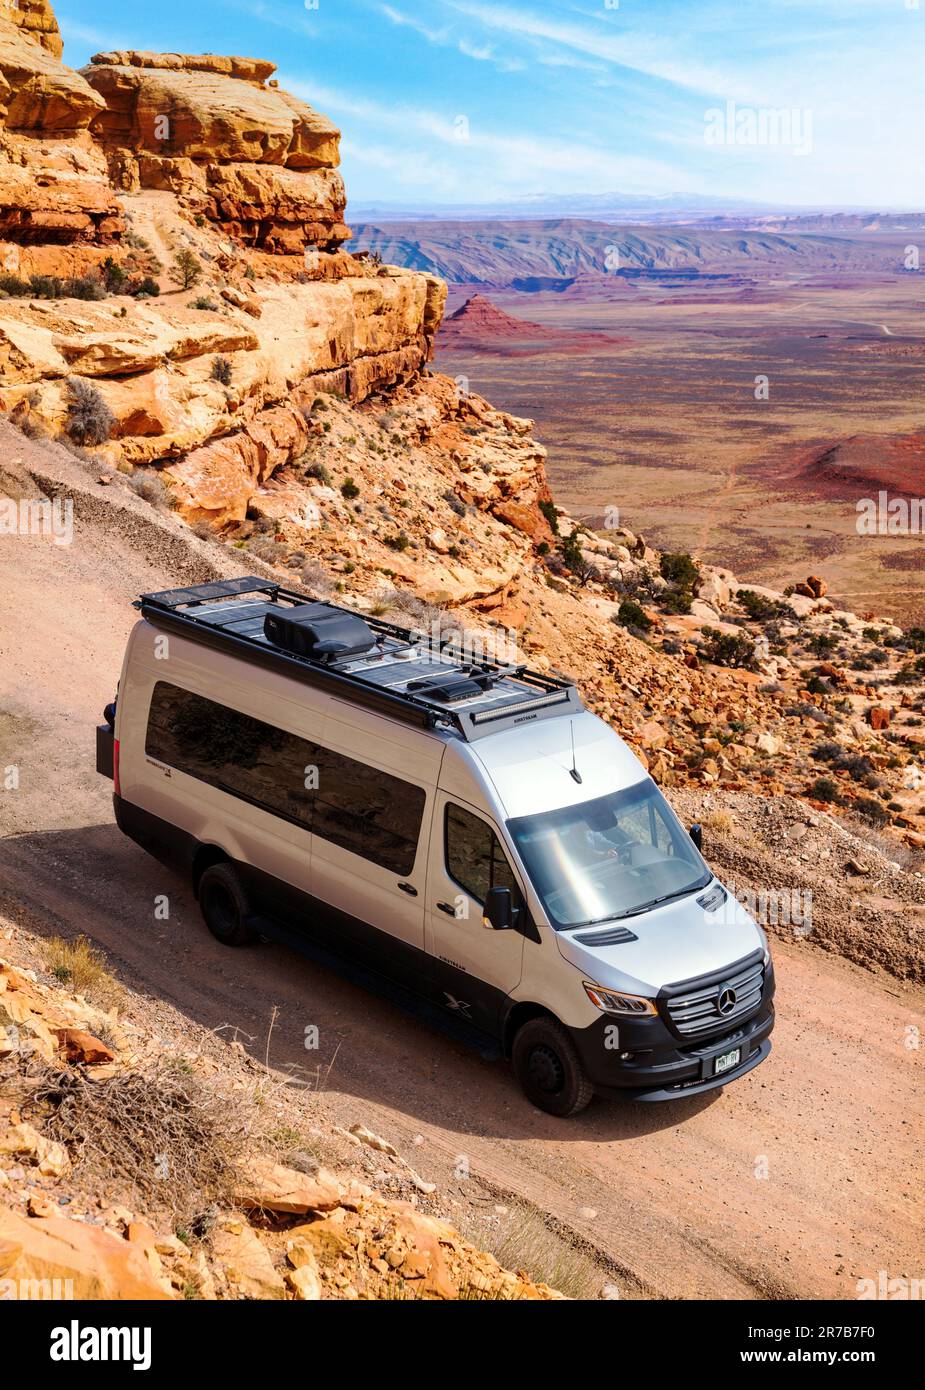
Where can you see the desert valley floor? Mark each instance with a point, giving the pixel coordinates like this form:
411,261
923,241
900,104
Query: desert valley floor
644,390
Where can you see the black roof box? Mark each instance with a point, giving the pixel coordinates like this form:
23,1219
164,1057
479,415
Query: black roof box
319,632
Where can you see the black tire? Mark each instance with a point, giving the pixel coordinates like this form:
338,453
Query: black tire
224,906
549,1069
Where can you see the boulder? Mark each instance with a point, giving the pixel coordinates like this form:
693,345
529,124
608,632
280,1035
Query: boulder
247,1262
82,1047
77,1260
270,1186
878,717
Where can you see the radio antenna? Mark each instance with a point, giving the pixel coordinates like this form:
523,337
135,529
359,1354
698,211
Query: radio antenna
573,772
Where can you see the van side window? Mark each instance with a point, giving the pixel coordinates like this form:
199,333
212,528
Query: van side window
361,809
474,855
230,750
367,811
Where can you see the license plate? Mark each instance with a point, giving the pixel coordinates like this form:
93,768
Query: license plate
726,1060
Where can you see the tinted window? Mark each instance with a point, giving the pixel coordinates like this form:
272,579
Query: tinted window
367,811
474,856
354,806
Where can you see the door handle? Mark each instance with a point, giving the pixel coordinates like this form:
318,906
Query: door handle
409,888
447,908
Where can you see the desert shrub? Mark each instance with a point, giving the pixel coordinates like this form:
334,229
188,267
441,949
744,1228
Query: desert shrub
873,811
631,615
221,371
828,752
575,561
679,569
915,639
349,488
13,287
268,549
551,513
89,419
52,287
202,301
757,606
822,643
727,648
399,542
318,471
186,270
114,277
315,577
162,1134
817,686
456,504
149,487
859,769
146,286
677,600
824,789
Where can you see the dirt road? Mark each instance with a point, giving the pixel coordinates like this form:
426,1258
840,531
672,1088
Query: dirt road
795,1182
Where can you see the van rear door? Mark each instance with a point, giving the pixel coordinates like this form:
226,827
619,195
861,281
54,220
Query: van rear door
474,968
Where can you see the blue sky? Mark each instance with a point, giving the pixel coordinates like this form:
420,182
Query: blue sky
452,101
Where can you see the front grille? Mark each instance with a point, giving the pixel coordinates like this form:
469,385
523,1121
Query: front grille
697,1009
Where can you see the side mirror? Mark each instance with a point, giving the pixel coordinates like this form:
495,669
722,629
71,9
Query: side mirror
697,836
498,914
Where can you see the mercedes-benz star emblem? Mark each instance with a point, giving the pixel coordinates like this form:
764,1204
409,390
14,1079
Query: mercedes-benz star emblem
726,1001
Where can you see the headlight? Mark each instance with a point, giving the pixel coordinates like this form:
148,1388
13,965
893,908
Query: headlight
609,1002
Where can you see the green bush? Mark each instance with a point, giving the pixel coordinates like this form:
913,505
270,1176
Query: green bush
759,608
677,600
114,277
630,614
52,287
679,569
727,648
349,489
551,513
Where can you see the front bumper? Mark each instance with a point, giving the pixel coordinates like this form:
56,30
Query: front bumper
664,1065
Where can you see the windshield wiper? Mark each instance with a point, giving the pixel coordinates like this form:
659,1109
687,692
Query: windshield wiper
643,907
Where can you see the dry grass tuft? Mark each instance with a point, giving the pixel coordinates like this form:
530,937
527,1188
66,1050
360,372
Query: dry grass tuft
82,968
723,822
520,1239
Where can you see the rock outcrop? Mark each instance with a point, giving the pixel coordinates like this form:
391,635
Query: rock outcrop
260,164
112,176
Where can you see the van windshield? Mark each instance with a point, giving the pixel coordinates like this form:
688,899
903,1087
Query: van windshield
611,857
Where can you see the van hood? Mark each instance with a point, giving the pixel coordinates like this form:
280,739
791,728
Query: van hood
675,942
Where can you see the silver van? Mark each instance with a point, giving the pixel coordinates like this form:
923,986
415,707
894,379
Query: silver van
466,830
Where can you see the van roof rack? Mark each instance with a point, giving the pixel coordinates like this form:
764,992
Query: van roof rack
413,677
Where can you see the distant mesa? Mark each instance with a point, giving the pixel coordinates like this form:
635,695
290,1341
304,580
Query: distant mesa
480,326
892,462
479,319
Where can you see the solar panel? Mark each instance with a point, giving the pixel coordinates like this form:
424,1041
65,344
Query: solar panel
406,674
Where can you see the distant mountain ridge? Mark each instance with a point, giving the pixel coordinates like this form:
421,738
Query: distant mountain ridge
509,254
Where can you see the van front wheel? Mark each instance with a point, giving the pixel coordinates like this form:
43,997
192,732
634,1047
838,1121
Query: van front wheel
223,904
549,1069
